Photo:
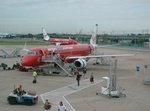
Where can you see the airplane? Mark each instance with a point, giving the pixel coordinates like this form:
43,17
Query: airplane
4,34
58,41
77,54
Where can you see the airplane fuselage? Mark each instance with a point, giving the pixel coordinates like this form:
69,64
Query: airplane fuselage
63,41
35,55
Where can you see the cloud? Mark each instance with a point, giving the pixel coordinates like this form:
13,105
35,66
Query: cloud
70,14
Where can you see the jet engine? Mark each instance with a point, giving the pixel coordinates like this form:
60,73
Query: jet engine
80,63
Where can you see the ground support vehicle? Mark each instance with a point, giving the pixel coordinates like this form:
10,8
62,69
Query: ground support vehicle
27,98
3,65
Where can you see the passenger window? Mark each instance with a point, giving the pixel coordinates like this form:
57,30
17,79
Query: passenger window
37,53
33,53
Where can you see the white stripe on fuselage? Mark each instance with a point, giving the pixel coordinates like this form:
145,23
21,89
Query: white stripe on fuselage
60,48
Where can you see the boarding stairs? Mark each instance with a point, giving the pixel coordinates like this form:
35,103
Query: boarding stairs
14,53
2,50
58,61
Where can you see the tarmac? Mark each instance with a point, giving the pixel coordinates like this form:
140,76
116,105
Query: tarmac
83,97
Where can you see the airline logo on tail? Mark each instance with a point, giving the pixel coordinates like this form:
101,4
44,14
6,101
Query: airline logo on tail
46,37
93,38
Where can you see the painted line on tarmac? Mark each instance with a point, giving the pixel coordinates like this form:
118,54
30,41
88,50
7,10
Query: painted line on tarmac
84,100
59,94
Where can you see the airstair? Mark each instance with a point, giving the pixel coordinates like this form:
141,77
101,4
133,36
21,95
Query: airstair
58,61
14,53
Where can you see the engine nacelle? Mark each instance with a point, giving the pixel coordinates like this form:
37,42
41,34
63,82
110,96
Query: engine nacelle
80,63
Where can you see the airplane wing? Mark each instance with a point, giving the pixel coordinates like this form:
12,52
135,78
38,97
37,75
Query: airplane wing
99,46
98,56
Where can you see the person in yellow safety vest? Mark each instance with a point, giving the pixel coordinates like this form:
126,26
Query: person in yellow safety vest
34,74
14,65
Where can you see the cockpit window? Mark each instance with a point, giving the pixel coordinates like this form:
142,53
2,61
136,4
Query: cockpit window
33,53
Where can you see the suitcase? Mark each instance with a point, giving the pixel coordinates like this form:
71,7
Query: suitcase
34,81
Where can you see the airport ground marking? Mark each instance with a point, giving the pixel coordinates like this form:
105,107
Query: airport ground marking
71,89
84,100
69,103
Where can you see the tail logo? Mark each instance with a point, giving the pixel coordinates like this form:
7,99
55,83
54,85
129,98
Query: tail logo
46,37
93,38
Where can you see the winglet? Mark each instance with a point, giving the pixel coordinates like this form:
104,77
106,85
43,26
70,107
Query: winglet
45,36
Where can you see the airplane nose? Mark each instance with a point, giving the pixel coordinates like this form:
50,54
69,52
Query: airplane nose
30,61
26,61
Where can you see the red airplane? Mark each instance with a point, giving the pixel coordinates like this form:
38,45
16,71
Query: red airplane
58,41
77,54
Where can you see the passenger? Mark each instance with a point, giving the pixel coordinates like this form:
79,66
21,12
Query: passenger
58,56
84,72
54,56
78,78
47,106
75,71
61,107
92,78
71,66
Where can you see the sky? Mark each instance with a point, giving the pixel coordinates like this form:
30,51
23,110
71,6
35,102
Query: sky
71,16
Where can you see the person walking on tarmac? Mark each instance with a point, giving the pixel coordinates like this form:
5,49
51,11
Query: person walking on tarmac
84,72
34,76
92,78
47,106
78,78
76,71
61,107
71,68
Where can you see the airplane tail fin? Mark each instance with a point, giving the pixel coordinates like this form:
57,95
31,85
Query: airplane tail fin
93,38
45,36
24,48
